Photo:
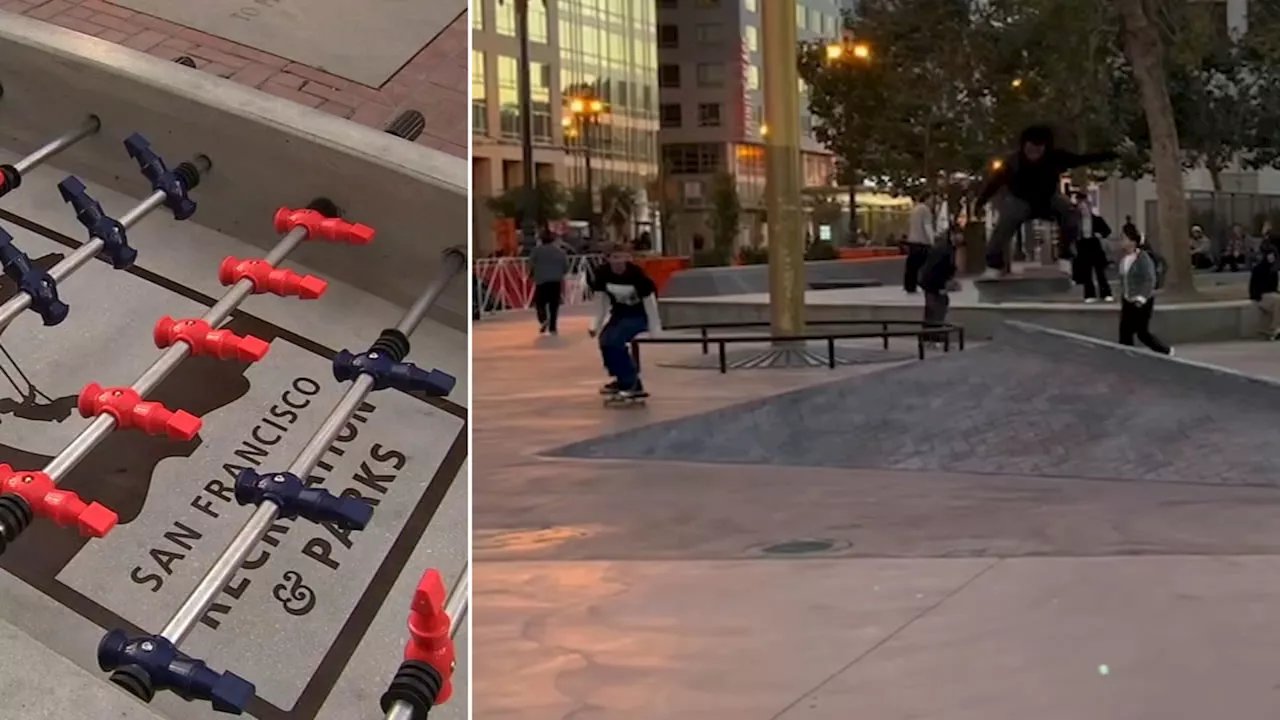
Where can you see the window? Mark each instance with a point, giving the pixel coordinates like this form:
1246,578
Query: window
540,81
801,15
479,106
477,17
669,76
506,20
669,115
668,36
709,33
693,158
753,77
751,34
751,5
509,99
815,20
831,27
708,114
710,74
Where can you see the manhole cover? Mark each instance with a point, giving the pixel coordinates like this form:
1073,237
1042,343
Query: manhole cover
803,547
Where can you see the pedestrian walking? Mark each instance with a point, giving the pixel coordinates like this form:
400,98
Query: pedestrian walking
920,234
548,264
1137,290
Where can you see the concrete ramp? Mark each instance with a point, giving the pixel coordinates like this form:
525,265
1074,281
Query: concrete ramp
1034,402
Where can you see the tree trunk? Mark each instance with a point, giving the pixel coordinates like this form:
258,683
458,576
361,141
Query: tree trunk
1146,53
1215,176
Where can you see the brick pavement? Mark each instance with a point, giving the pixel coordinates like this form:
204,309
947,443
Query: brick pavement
434,82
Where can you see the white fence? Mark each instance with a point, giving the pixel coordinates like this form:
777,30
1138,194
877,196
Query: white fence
503,284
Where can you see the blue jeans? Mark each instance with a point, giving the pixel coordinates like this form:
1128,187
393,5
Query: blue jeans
613,348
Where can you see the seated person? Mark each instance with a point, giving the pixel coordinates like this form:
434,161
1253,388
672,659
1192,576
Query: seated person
1264,282
1201,249
1235,253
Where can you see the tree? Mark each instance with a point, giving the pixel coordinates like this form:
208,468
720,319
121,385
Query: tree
579,205
918,107
1145,49
726,214
619,209
550,198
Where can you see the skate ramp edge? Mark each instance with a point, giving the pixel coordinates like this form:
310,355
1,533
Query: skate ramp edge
1180,372
37,683
266,152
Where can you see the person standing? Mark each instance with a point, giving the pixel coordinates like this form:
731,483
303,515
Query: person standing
1091,257
920,234
548,263
1137,290
628,299
938,280
1264,289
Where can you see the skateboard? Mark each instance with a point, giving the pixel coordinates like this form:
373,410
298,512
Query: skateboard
616,400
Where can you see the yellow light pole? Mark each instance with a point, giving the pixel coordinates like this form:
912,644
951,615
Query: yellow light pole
783,178
584,113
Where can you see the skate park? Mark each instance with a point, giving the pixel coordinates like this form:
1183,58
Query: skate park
1044,525
323,632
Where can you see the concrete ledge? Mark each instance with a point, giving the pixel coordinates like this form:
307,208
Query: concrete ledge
747,279
266,151
1175,324
1022,287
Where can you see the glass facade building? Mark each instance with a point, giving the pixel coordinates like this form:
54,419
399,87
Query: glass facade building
607,48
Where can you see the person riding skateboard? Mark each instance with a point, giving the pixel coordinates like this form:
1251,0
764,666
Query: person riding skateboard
1032,180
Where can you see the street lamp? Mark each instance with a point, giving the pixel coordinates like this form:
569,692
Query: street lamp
529,226
584,112
843,50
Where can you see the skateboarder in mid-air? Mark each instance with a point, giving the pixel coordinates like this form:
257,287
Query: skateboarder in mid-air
628,298
1032,180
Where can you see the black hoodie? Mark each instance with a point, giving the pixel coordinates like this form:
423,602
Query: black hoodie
1037,182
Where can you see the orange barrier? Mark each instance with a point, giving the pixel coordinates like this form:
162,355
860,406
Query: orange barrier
660,268
866,253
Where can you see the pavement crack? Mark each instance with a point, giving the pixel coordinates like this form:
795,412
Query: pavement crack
886,639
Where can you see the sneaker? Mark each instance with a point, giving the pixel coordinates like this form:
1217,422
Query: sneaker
1170,352
1091,300
609,388
1108,299
1274,335
992,274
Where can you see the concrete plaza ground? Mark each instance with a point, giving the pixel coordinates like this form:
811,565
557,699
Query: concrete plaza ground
433,82
621,590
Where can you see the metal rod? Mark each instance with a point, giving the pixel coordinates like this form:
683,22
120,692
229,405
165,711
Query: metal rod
459,600
39,157
233,557
102,426
400,710
15,306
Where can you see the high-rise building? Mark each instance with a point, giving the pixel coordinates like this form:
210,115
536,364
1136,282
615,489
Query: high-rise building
603,48
711,111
